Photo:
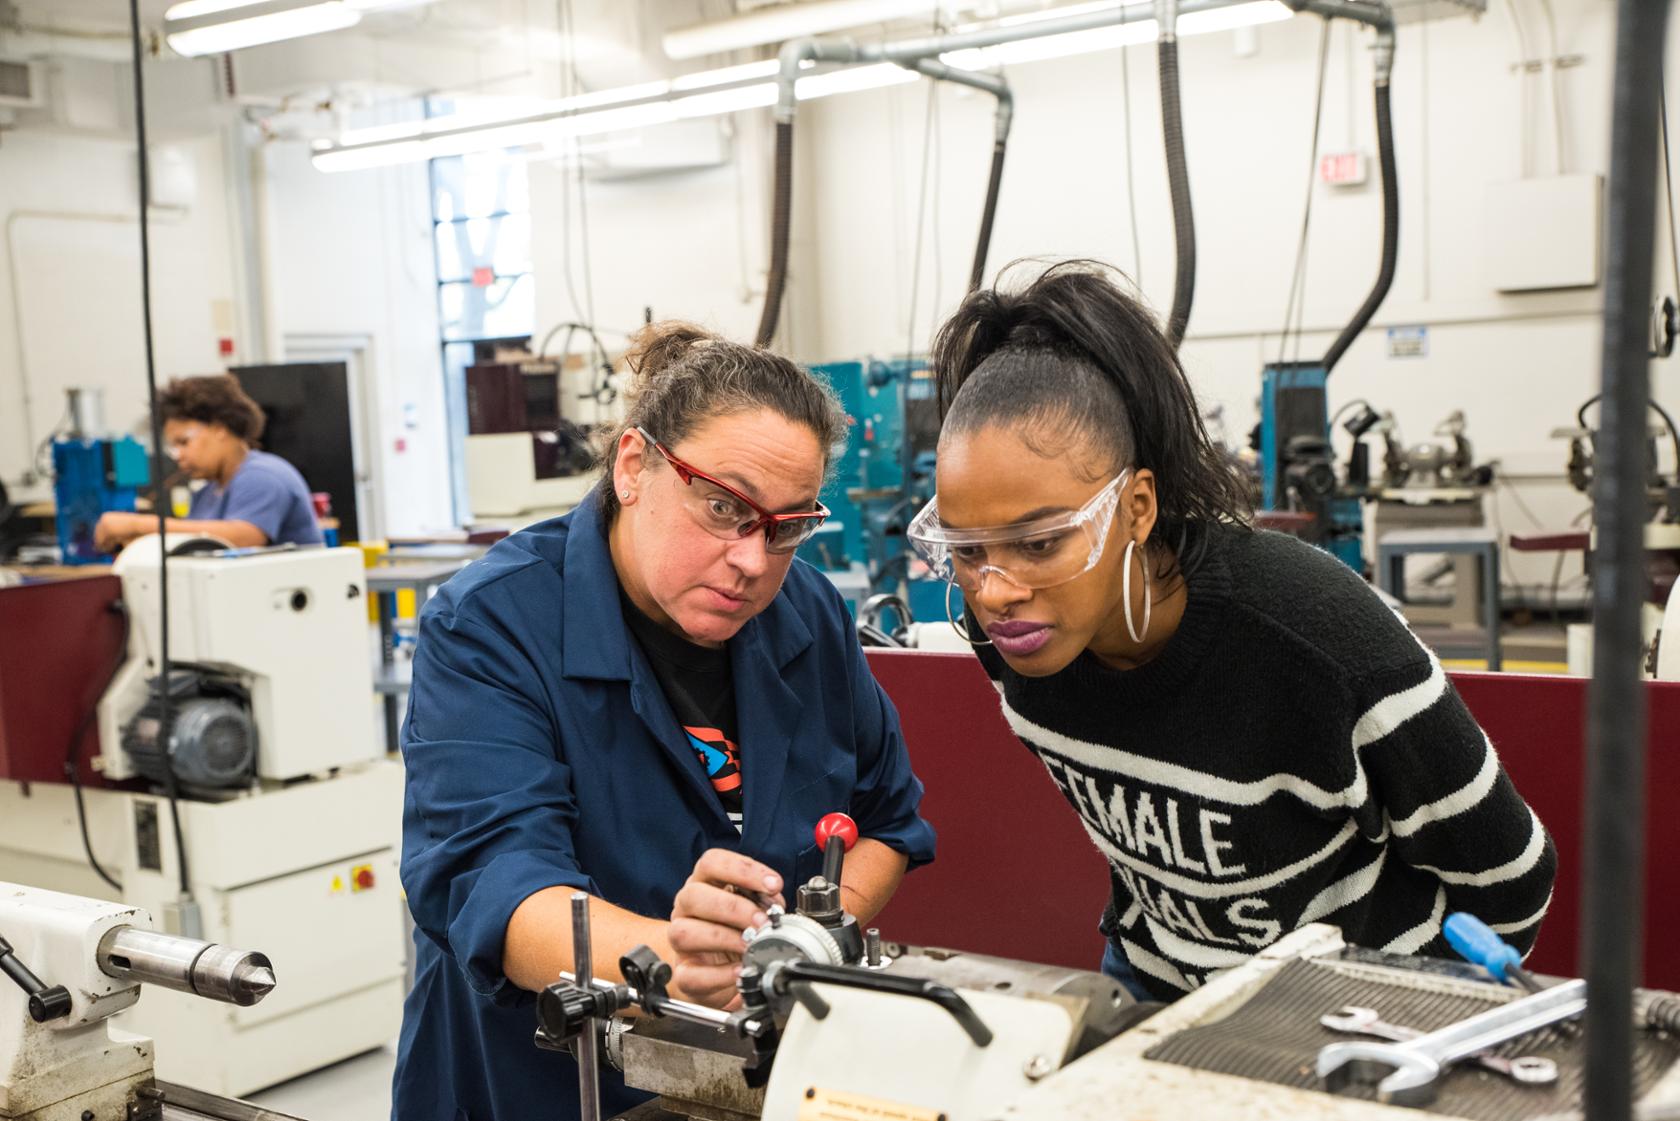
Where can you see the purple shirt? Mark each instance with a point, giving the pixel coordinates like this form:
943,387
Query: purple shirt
269,493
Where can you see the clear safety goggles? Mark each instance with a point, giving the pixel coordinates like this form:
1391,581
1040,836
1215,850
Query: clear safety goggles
1040,553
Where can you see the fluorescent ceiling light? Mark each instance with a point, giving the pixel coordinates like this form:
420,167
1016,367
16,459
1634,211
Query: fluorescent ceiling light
499,110
1229,19
787,21
385,145
853,79
202,27
746,72
732,89
1122,34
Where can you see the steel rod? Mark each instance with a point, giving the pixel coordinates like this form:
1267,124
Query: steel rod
681,1009
589,1043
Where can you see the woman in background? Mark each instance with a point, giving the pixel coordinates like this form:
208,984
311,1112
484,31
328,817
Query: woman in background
211,428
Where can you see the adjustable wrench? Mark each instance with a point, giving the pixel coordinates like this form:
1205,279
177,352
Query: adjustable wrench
1408,1071
1353,1020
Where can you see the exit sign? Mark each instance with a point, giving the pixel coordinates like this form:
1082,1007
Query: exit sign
1342,169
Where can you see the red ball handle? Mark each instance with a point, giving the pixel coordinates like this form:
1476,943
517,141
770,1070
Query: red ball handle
837,825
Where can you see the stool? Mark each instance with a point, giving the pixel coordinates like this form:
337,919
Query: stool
1395,546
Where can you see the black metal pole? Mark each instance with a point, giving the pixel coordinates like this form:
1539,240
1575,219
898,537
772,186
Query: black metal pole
1612,898
160,488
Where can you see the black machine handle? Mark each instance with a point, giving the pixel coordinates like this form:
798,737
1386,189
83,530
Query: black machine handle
834,859
46,1002
793,973
836,833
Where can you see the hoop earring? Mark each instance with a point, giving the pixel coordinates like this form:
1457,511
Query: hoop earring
1126,593
960,628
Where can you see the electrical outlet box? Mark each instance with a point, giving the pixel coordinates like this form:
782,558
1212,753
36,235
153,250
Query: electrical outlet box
20,84
1544,233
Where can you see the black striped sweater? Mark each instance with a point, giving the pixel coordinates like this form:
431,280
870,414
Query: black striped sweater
1292,755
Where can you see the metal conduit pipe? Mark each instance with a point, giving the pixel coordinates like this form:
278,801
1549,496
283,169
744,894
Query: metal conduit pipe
930,46
999,88
1380,17
1612,899
795,53
1391,234
1178,171
1372,12
781,220
792,56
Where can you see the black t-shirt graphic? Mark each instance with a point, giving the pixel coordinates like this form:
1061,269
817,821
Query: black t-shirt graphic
700,687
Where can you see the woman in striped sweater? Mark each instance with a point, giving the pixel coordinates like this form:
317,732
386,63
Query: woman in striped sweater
1249,736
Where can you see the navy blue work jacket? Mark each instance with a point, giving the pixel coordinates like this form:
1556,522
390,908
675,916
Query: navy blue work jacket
540,751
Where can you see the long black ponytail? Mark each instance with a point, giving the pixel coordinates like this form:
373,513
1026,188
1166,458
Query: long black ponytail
1073,353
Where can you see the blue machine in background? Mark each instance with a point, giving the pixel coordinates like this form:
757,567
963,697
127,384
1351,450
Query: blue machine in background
1297,462
884,477
93,475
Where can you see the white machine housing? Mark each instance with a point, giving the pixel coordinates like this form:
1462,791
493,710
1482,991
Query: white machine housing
502,479
309,872
1668,648
76,1063
865,1037
1659,625
290,625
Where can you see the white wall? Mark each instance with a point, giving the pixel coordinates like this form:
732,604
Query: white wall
691,245
1518,364
350,256
341,257
70,240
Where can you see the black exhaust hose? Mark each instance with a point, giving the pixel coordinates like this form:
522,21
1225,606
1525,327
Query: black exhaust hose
1391,234
1178,180
781,217
1612,897
978,274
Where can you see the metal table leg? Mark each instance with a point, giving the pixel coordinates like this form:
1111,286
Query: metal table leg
1490,605
387,608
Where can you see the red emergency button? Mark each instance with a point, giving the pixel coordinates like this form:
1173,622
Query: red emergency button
361,878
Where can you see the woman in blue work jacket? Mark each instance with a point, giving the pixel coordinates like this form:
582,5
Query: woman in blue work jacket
647,700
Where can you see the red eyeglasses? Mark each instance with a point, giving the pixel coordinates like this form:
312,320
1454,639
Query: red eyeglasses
726,513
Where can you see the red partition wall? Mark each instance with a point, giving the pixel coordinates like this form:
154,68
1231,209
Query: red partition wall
59,641
1017,876
1538,724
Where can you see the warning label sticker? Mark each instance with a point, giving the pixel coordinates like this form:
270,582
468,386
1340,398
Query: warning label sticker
841,1105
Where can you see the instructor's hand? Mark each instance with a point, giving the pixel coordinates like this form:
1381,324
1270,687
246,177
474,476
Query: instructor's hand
725,895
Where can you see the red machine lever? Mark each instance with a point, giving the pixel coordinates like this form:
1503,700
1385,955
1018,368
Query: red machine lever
836,825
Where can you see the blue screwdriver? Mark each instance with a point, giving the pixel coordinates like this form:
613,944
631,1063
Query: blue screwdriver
1476,943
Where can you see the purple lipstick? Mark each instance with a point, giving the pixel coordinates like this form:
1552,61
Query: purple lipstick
1019,637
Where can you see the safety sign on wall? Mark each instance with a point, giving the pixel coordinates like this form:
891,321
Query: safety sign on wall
1408,342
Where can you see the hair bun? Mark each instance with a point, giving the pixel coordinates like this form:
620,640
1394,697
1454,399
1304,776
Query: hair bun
658,347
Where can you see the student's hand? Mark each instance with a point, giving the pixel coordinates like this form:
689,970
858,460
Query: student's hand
725,895
116,529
